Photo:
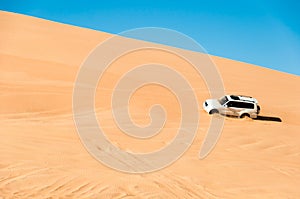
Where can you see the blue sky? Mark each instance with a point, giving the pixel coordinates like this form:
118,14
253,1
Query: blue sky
265,33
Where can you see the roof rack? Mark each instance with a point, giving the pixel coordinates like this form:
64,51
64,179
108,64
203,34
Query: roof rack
245,96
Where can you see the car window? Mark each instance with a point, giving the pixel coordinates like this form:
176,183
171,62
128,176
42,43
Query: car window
234,97
223,100
242,105
248,105
235,104
229,104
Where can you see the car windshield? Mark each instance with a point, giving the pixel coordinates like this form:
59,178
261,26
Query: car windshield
223,100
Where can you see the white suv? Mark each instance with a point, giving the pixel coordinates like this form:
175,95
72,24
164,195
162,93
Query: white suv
234,105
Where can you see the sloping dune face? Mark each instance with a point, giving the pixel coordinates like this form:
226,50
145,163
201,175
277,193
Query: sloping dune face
42,155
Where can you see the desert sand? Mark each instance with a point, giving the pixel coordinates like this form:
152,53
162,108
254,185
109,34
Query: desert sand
42,155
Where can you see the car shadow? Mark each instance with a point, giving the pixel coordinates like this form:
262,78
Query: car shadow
260,117
268,118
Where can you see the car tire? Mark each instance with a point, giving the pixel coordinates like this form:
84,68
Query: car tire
258,109
244,115
214,111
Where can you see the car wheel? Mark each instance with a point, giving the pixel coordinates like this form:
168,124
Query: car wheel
244,115
214,111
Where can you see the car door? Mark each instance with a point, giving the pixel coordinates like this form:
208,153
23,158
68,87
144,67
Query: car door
234,108
228,108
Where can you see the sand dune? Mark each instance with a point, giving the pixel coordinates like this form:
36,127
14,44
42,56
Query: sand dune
43,157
